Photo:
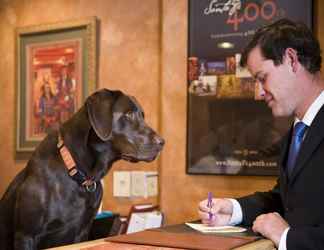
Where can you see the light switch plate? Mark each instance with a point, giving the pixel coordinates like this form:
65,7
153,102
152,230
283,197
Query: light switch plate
152,183
122,184
139,184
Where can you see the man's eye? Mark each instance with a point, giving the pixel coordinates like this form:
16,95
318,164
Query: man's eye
261,79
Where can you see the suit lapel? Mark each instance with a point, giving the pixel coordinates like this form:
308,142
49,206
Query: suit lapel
314,136
285,147
283,159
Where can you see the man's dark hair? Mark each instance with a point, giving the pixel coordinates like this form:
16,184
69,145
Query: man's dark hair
275,38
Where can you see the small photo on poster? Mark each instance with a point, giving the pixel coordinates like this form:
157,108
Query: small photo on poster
193,68
228,87
247,87
240,72
230,65
205,85
210,82
202,67
216,68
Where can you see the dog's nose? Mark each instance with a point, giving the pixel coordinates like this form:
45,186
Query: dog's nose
159,140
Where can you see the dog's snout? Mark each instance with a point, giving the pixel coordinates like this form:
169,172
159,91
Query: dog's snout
158,140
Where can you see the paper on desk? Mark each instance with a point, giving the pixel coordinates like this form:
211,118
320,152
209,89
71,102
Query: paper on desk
141,221
214,229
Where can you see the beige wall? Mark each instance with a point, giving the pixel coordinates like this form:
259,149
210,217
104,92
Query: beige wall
129,59
143,51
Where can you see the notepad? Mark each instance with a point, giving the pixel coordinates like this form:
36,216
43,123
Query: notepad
158,239
215,229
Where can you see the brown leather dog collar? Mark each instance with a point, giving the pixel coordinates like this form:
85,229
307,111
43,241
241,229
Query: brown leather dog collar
76,174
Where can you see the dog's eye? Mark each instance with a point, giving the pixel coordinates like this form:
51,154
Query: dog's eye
130,115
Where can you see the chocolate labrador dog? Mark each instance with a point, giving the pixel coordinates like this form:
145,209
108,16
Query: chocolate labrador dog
53,201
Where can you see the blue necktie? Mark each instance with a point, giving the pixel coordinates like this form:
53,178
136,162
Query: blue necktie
296,141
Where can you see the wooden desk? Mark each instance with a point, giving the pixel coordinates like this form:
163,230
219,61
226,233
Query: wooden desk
101,244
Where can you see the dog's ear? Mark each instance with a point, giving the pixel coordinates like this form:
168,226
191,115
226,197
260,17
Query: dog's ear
100,111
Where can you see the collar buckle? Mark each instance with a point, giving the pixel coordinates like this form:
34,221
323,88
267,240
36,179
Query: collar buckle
92,187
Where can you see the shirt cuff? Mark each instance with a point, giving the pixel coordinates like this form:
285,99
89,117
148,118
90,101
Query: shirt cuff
237,215
283,240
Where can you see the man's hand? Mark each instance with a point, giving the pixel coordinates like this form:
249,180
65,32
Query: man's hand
271,226
221,212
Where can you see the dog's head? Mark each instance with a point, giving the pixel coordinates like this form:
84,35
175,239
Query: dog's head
119,119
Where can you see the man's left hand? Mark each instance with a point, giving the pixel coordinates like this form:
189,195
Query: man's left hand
271,226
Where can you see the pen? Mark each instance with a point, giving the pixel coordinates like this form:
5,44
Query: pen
210,205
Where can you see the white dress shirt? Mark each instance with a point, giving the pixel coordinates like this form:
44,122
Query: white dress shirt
308,118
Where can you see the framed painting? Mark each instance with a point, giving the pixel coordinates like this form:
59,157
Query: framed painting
56,71
230,130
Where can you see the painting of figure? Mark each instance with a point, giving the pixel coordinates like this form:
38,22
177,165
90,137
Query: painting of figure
54,88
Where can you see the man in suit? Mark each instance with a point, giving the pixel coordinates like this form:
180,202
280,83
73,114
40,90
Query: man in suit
285,59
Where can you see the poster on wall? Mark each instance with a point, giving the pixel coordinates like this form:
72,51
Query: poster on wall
231,131
56,71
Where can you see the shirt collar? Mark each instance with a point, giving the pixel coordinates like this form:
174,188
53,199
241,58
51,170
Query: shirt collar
312,110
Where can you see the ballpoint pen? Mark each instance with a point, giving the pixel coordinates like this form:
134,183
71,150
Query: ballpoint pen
210,205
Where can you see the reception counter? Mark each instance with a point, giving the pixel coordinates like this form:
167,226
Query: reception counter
176,237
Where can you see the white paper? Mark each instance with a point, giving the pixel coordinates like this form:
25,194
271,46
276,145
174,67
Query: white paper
141,221
136,223
153,220
122,184
215,229
143,206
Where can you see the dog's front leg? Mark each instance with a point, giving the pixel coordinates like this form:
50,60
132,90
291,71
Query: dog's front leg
84,233
24,242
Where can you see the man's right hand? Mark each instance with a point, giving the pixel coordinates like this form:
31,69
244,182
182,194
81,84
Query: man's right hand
222,210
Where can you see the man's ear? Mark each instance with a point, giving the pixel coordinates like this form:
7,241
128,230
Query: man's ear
100,112
291,58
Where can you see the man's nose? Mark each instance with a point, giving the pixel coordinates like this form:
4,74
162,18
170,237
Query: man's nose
158,140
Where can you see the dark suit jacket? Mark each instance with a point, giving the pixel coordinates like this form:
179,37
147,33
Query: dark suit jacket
299,200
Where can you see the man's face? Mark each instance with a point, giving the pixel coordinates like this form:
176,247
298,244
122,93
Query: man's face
277,83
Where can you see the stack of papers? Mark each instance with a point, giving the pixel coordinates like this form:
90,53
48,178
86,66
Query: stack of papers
215,229
141,221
